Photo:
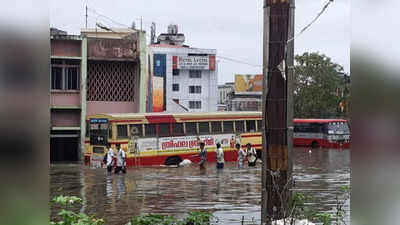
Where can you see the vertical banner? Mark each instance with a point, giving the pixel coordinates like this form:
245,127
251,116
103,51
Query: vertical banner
158,94
174,62
212,62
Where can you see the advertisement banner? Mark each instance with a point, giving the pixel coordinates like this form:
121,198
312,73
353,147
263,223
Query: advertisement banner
248,84
194,62
158,94
190,142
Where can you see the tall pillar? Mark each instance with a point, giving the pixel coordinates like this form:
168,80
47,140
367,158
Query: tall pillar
83,97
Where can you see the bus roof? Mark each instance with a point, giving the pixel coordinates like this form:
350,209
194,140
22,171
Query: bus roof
318,120
194,115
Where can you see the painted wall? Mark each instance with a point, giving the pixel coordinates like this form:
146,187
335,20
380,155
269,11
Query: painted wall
65,118
94,107
65,98
69,48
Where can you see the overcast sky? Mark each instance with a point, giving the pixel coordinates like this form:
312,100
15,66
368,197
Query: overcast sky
232,27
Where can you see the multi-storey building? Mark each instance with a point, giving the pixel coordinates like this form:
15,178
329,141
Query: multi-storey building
98,71
181,78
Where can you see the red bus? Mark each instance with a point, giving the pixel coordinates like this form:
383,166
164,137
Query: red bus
327,133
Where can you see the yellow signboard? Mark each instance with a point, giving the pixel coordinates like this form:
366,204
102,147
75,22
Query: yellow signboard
248,84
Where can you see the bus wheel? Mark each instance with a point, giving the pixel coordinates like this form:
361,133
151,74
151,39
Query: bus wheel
173,160
314,144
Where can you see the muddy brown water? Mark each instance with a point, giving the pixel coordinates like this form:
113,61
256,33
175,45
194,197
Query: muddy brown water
229,194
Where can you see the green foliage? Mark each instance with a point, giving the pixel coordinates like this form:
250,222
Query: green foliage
324,218
194,218
71,218
153,220
317,90
197,218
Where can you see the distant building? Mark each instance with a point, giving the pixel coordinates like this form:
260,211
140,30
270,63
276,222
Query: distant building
224,90
180,78
246,95
96,72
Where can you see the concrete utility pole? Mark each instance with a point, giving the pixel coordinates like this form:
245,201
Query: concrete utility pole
277,108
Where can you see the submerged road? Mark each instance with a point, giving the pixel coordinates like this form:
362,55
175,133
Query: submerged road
229,194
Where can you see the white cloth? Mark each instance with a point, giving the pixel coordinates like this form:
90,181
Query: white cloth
220,155
120,158
241,155
252,154
110,157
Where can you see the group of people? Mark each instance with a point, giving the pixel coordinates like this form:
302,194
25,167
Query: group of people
110,157
250,152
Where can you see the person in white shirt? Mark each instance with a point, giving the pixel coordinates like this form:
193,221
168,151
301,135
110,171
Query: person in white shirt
241,155
121,157
220,157
110,159
252,155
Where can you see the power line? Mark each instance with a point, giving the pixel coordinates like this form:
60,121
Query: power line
313,21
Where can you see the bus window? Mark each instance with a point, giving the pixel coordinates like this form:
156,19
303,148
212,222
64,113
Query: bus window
122,131
204,128
303,128
136,130
177,129
150,130
163,130
191,128
259,125
216,127
250,125
110,132
87,129
228,127
239,125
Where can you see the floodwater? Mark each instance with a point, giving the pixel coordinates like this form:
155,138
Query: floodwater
229,194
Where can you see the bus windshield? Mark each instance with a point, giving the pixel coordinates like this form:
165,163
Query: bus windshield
98,131
338,128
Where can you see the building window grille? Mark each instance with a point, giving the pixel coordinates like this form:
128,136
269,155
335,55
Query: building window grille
195,104
194,73
175,87
195,89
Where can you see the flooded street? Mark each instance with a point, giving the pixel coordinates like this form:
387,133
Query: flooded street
229,194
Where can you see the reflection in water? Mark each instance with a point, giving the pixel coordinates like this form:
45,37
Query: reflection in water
229,193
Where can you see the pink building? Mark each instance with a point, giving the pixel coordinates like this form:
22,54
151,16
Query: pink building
95,72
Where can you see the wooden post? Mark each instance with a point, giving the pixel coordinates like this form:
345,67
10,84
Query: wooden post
276,116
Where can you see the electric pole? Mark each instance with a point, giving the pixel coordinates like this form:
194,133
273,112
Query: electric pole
277,109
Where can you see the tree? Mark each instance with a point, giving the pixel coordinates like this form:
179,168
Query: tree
318,86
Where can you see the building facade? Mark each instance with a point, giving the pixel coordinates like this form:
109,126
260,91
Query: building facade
98,71
181,78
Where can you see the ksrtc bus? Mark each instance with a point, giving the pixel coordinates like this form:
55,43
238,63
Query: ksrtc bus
165,138
327,133
168,138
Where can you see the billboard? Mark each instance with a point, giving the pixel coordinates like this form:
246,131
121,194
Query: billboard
158,94
194,62
248,84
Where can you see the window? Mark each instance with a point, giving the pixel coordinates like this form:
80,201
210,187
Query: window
72,78
239,125
191,128
87,129
194,73
195,89
250,125
259,125
163,129
307,128
110,132
65,74
150,130
56,78
122,131
195,104
175,72
216,127
204,127
175,87
228,127
136,130
177,129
